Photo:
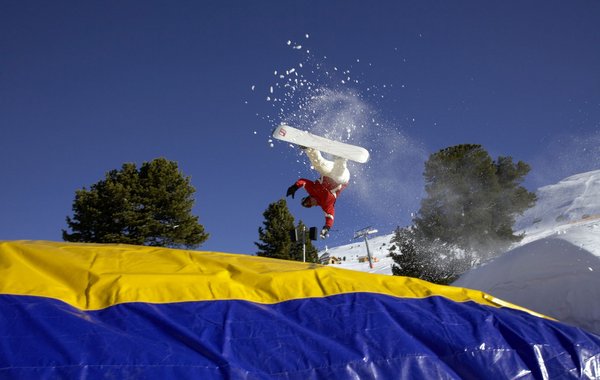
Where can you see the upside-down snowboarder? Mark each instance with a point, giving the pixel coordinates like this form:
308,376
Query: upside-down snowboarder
334,174
324,191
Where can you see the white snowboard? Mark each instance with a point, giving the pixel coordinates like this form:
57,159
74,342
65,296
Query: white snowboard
336,148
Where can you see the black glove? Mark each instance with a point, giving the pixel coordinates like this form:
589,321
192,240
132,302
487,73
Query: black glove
291,190
325,232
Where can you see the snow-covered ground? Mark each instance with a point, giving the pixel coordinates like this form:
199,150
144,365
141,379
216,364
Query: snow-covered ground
351,255
554,270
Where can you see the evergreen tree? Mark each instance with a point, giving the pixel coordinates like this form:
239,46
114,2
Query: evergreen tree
471,200
151,206
275,233
275,236
513,199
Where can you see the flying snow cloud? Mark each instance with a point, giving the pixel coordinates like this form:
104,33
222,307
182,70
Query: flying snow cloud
338,103
391,183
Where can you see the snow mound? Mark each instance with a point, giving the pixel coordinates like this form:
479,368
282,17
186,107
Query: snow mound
551,276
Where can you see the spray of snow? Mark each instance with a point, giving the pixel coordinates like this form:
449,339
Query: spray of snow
390,184
339,103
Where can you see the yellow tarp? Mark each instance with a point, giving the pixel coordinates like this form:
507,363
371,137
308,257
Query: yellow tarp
96,276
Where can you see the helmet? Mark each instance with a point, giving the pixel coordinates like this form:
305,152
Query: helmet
307,201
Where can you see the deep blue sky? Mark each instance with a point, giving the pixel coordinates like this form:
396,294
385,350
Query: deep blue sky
88,86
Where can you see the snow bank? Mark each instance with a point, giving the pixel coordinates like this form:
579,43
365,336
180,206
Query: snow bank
551,276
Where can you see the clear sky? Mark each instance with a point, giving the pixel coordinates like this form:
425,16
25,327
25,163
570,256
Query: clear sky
88,86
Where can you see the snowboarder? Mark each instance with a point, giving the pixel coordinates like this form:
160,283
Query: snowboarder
324,191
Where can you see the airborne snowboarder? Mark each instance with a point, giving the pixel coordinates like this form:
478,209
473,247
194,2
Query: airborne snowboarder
334,174
324,191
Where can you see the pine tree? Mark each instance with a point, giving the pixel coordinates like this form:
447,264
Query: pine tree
151,206
471,200
275,236
275,233
514,199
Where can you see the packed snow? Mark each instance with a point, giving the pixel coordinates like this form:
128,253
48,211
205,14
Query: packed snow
554,270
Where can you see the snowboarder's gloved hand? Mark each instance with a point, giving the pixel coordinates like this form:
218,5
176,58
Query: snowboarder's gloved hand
325,232
291,190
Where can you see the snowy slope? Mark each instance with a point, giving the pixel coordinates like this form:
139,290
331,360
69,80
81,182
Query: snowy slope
572,200
554,270
350,254
569,210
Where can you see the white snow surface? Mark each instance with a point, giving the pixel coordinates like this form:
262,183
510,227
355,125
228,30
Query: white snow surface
554,270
